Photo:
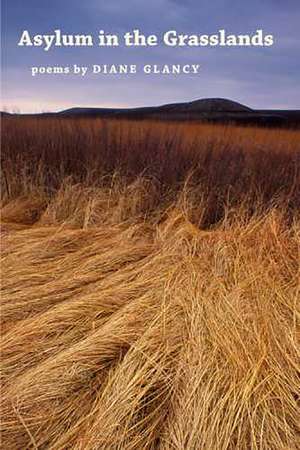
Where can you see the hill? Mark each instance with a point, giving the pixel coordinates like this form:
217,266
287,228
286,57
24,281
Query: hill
210,109
218,110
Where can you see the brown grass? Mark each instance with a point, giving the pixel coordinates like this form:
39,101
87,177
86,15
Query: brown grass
150,286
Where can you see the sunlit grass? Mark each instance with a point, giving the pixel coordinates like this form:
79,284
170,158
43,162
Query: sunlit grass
150,286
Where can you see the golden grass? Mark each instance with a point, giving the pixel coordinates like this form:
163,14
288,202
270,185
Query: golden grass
133,316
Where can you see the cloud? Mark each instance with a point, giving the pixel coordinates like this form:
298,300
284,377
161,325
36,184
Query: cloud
258,77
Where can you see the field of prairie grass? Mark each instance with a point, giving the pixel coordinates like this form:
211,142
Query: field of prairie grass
150,285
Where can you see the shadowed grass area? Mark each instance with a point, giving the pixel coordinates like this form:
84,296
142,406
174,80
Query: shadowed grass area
149,303
228,165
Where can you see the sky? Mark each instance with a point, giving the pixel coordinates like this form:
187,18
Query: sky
262,78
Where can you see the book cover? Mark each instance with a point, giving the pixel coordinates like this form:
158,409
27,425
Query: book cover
150,194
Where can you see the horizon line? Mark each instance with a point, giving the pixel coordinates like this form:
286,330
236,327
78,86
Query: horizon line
24,111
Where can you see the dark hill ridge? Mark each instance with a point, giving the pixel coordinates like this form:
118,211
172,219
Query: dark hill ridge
210,109
218,104
209,105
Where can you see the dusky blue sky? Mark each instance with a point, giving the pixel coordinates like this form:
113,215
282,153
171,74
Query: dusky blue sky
257,77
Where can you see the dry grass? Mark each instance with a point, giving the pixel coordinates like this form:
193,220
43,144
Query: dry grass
149,300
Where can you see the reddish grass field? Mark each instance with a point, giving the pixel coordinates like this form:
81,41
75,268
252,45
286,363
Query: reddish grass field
150,285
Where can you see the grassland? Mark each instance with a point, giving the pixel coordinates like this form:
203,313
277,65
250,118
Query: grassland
150,279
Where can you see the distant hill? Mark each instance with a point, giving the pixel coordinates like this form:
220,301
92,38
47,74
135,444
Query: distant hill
209,109
209,105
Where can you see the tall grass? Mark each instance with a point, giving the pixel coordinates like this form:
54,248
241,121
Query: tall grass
227,164
150,286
